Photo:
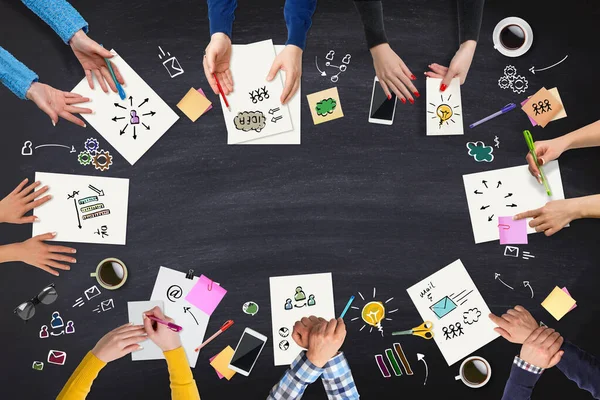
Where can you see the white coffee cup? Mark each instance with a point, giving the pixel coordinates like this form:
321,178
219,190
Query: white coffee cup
475,372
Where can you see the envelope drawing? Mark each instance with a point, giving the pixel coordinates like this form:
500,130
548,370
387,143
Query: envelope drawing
107,305
443,307
173,67
57,357
38,365
511,251
92,292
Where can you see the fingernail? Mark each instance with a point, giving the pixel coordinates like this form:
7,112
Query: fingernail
140,347
389,96
84,125
53,123
411,101
413,77
73,261
68,268
73,251
403,101
417,94
36,219
53,233
49,196
443,87
144,316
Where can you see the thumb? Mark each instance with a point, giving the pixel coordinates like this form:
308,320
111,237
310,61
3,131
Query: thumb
211,58
447,80
556,359
101,51
274,68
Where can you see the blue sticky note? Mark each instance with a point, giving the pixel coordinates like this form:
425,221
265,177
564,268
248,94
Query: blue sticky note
443,307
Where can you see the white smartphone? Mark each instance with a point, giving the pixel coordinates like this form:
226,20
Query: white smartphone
247,351
382,110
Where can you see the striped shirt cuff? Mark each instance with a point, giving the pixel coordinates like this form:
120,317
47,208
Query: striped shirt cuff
527,366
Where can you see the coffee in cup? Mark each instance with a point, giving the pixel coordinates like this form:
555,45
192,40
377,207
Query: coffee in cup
475,372
111,273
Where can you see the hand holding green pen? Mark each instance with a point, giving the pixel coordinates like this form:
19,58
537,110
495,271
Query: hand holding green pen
532,151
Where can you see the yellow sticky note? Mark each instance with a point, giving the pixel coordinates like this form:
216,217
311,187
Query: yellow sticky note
221,362
193,104
558,303
562,113
325,105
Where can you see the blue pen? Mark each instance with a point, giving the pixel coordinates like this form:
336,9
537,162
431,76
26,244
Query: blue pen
505,109
347,307
122,94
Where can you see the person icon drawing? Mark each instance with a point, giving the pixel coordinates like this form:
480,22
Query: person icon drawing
43,332
57,321
288,304
311,300
70,328
299,296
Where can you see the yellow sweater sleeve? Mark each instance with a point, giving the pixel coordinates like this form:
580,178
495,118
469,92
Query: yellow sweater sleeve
79,384
183,385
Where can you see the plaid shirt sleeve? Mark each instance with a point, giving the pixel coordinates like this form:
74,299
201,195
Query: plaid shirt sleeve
526,366
293,383
337,379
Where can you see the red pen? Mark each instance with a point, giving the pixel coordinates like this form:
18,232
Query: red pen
221,91
225,326
170,325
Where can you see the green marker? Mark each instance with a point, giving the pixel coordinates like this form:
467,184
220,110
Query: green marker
531,146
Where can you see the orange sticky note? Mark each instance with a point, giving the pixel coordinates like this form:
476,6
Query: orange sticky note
221,363
193,104
542,107
558,303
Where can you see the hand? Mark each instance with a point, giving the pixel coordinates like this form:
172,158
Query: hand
302,330
324,341
56,103
217,56
20,201
554,216
290,61
546,151
516,325
459,66
542,348
91,56
164,338
43,256
394,75
119,342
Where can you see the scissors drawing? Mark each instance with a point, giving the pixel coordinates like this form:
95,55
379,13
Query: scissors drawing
423,330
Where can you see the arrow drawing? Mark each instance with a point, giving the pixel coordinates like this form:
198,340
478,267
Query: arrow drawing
511,205
508,195
131,101
275,119
120,106
117,118
533,70
100,192
421,357
477,192
323,73
134,135
499,184
143,102
151,113
497,277
527,284
146,126
490,218
72,148
77,212
273,110
484,207
485,183
72,196
122,131
187,310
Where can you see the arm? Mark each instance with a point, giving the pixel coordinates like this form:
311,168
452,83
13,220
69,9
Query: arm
79,384
588,136
183,385
338,380
470,13
371,14
59,15
522,379
15,75
298,18
221,16
302,372
582,368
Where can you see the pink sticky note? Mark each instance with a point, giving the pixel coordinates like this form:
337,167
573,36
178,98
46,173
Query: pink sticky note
210,105
206,295
533,123
511,231
220,375
567,292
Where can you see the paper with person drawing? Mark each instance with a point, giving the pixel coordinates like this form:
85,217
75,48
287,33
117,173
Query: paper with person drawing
507,192
451,301
132,125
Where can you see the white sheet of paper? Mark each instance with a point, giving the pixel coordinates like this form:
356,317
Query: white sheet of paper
444,109
150,350
283,288
517,188
110,120
78,209
289,137
250,65
171,287
468,309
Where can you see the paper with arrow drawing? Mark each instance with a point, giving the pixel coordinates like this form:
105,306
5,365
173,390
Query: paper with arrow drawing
83,209
507,192
132,125
171,287
256,109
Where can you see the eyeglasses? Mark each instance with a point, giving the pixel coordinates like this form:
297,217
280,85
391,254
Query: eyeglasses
26,310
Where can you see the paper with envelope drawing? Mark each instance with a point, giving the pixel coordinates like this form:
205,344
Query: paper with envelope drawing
507,192
83,209
132,125
150,350
450,300
171,287
256,109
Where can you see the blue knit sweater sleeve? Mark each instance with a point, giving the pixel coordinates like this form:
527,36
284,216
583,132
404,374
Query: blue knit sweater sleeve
15,75
220,16
581,367
59,15
298,18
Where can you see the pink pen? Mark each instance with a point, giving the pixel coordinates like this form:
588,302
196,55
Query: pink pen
170,325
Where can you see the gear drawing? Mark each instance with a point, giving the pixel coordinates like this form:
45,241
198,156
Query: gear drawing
84,158
520,84
504,82
92,145
102,160
510,71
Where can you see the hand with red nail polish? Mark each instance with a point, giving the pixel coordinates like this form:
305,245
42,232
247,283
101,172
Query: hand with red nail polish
394,76
459,66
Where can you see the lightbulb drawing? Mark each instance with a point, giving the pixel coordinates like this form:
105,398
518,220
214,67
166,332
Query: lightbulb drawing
444,111
373,313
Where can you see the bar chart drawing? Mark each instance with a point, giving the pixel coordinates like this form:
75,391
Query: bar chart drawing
393,362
